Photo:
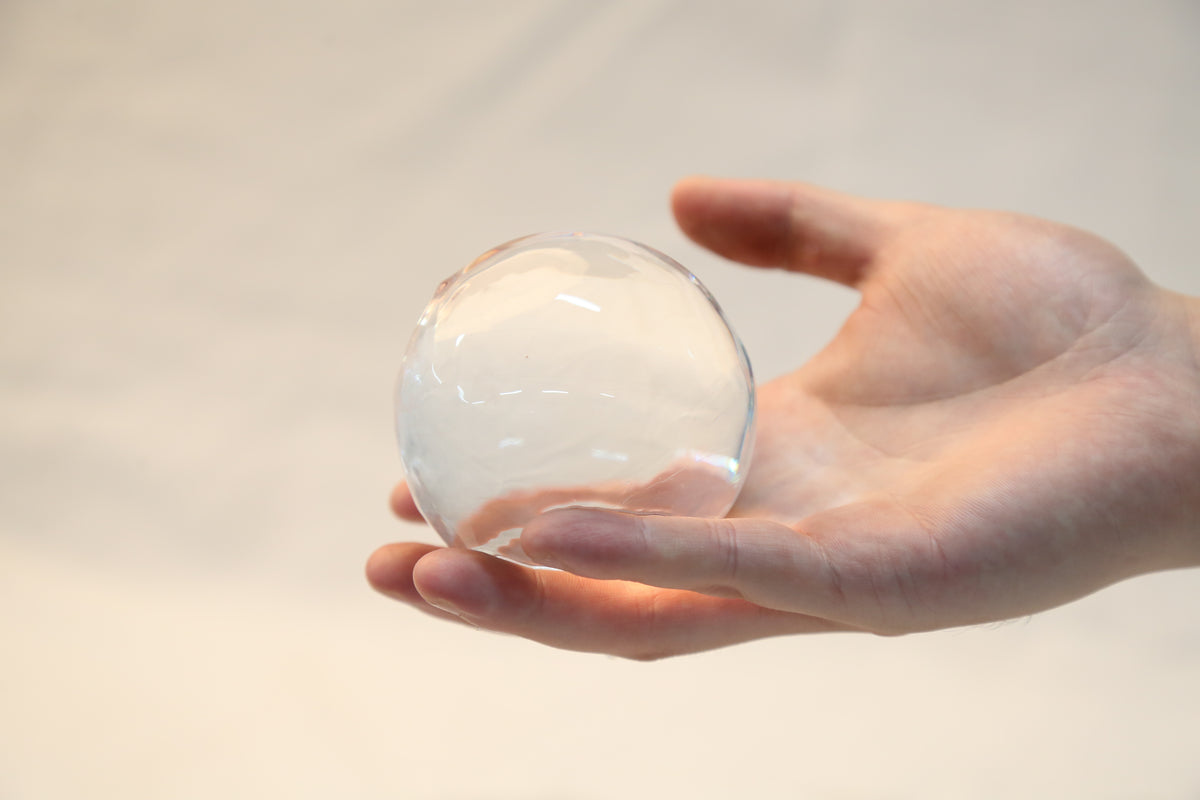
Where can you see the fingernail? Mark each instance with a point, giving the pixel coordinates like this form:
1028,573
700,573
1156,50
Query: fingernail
443,604
454,611
473,591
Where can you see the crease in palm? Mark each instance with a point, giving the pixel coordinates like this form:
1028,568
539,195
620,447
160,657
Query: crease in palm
917,377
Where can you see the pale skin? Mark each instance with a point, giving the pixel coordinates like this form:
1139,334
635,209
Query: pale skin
1010,420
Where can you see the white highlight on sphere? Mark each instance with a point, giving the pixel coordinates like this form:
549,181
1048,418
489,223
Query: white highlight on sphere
571,369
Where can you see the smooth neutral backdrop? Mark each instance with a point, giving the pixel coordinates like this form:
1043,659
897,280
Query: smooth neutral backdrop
218,223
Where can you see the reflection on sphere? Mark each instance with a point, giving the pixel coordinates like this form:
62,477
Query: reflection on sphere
571,369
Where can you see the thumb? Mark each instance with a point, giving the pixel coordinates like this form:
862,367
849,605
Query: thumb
786,224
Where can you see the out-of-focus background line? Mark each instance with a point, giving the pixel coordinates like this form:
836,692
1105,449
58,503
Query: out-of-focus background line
218,224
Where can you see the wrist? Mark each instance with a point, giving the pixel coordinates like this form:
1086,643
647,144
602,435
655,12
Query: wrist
1174,516
1192,304
1192,523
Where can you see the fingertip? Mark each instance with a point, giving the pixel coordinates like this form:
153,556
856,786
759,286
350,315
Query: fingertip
389,569
687,190
465,582
743,220
402,503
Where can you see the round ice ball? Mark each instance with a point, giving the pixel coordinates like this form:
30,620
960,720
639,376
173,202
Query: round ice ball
571,369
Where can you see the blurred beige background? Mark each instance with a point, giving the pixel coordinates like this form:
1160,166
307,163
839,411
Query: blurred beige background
218,223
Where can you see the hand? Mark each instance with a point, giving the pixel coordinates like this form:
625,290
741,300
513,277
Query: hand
1010,420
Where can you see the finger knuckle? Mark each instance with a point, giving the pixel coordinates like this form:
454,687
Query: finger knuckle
722,535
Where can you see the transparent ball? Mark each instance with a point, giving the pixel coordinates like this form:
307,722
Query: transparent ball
571,369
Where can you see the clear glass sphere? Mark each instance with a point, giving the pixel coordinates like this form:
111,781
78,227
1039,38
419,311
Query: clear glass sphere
571,369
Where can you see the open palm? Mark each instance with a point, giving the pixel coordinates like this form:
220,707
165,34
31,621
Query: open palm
1008,421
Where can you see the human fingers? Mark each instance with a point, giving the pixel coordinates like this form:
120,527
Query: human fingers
785,224
389,571
574,613
403,505
861,565
755,559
